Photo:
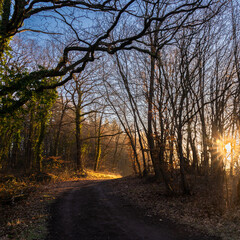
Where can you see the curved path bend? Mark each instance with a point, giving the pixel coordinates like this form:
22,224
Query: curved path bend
90,211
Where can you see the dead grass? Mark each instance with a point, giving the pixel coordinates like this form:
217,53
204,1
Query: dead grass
69,175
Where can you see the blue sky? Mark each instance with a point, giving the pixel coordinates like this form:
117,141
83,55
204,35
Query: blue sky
50,22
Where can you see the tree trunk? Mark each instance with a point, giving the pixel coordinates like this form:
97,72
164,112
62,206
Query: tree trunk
98,147
185,186
38,151
150,138
79,160
56,144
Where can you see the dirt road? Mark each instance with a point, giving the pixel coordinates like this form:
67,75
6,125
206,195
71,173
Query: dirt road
90,211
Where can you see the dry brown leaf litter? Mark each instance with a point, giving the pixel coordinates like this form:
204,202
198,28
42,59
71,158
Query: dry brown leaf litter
200,211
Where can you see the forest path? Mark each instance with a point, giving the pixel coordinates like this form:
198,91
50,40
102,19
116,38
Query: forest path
91,210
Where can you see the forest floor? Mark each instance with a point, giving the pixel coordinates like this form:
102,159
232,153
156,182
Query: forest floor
27,218
204,211
195,215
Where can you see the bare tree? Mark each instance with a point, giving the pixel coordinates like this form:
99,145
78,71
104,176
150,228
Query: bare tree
85,49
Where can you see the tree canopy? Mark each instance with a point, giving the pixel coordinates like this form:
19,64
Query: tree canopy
95,27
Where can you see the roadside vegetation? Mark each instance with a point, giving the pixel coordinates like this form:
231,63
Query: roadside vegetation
25,204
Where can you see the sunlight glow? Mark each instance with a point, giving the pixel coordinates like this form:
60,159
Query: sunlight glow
228,147
224,147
